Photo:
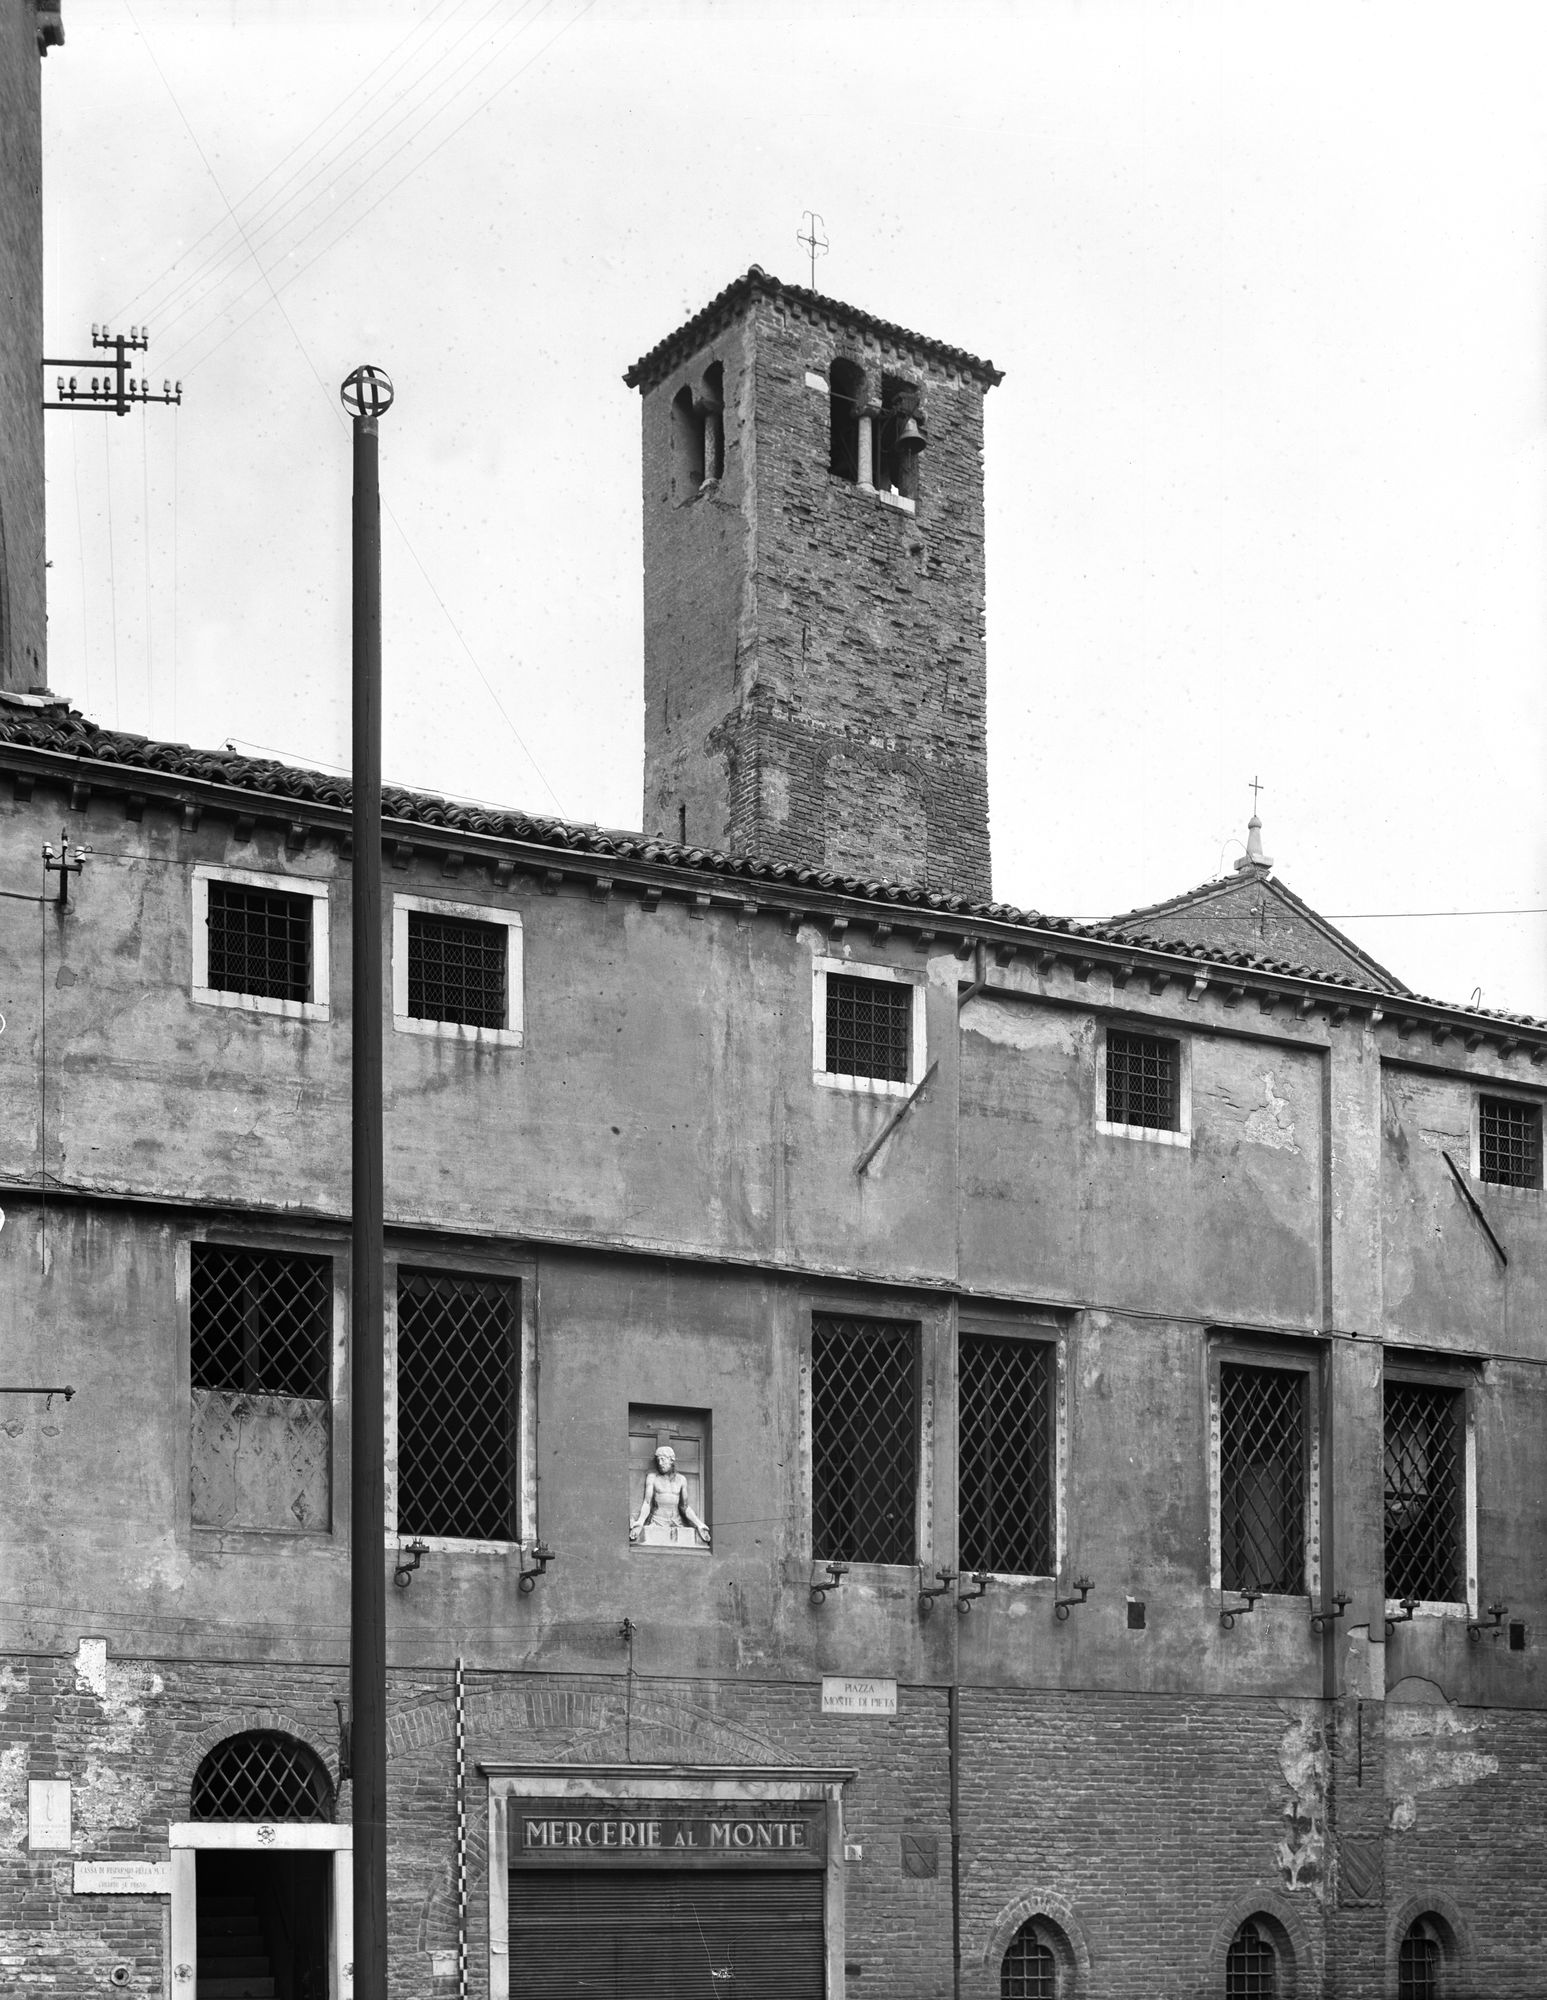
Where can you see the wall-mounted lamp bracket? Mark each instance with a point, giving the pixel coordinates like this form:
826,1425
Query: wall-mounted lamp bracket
69,861
1475,1627
1231,1612
928,1593
627,1630
1402,1617
1323,1621
542,1555
836,1572
1061,1605
345,1746
965,1599
403,1575
67,1390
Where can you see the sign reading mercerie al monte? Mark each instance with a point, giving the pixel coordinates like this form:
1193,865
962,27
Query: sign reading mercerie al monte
787,1832
844,1694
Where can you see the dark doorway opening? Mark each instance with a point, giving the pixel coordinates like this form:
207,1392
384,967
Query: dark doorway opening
263,1925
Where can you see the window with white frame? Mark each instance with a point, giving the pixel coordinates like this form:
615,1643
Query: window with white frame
260,942
1509,1142
456,970
1264,1471
458,1406
864,1438
1429,1488
1143,1085
867,1027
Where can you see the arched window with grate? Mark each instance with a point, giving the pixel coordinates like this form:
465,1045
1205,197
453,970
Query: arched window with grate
1421,1961
1251,1964
1030,1967
262,1775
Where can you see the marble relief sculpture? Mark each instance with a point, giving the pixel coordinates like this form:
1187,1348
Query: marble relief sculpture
665,1514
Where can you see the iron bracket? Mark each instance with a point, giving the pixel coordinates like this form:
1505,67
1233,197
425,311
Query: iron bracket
526,1581
926,1595
1061,1605
403,1575
1229,1613
965,1599
1475,1627
1323,1621
1402,1617
836,1572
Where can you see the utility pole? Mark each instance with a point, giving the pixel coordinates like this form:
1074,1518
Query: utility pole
366,395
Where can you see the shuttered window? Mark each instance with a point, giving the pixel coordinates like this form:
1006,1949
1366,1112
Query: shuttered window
706,1934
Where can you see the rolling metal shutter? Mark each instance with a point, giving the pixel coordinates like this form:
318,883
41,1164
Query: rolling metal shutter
700,1934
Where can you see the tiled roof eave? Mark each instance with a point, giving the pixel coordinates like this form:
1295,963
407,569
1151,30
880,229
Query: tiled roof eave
550,846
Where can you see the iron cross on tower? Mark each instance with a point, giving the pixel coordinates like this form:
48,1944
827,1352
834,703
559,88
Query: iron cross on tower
812,240
1256,788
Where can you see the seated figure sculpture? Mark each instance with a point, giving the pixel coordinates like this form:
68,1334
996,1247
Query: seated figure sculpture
665,1508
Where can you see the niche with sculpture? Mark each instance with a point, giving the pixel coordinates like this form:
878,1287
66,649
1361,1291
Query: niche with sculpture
668,1458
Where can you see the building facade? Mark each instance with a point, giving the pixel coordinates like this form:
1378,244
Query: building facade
932,1450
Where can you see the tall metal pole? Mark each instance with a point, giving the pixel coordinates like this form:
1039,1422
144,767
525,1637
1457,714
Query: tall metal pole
366,394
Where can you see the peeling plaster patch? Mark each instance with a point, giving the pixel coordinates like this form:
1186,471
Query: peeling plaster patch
12,1681
1302,1759
13,1796
91,1666
1458,1143
106,1798
1272,1123
1427,1751
1012,1026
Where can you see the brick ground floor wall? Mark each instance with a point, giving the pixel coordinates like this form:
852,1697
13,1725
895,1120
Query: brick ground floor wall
1141,1828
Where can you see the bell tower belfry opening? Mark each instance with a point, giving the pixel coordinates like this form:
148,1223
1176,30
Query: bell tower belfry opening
814,590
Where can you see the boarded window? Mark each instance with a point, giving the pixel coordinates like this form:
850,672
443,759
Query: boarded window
869,1027
261,1775
1262,1479
864,1439
1143,1072
260,942
457,970
1006,1454
458,1403
259,1349
1509,1142
1425,1504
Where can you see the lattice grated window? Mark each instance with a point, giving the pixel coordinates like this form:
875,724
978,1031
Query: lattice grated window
1142,1081
260,941
1425,1503
264,1776
259,1321
869,1027
864,1439
1509,1142
1006,1454
1419,1959
1251,1965
457,970
1029,1970
458,1399
1262,1479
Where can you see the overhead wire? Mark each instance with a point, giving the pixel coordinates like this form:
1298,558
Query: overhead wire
290,277
258,235
250,229
338,413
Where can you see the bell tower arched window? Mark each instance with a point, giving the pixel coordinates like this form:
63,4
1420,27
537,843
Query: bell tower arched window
846,402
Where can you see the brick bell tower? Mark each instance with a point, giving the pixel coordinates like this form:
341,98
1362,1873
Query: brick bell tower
813,559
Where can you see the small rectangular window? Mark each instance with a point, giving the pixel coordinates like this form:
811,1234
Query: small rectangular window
1143,1073
260,942
1262,1479
260,1328
868,1028
1425,1506
456,970
1006,1454
458,1405
864,1439
1509,1142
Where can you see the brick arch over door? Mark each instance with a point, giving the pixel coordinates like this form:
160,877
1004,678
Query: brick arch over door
1058,1913
241,1722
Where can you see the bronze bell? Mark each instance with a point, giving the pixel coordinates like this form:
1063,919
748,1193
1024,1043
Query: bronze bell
910,437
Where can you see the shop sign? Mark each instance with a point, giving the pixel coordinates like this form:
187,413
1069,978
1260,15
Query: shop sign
845,1694
123,1878
653,1832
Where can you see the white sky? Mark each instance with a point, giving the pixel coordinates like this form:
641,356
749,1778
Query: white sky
1267,477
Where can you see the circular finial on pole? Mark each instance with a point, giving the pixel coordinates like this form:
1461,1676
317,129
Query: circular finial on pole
367,392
